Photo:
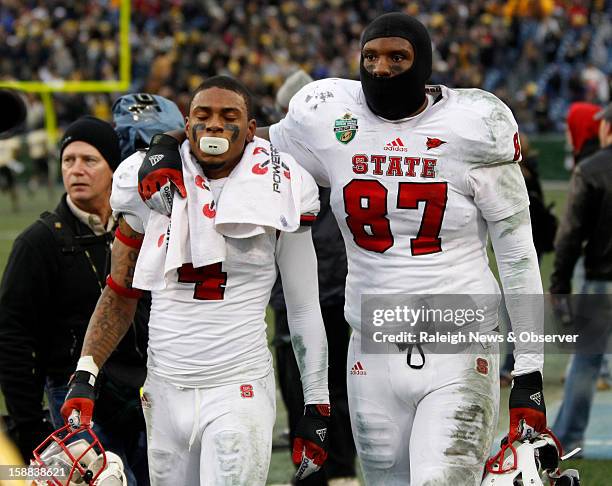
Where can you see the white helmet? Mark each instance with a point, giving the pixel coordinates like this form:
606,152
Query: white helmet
80,457
530,464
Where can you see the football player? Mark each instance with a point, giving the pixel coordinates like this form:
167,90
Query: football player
209,398
420,177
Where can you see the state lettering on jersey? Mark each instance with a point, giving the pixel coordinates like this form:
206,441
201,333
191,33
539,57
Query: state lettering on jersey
394,165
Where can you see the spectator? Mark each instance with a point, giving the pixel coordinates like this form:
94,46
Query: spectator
582,130
587,224
597,84
54,276
497,45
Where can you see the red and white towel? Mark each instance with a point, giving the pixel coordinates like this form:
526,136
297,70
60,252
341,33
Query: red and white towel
259,193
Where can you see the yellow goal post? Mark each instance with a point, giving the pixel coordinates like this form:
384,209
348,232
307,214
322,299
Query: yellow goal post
46,89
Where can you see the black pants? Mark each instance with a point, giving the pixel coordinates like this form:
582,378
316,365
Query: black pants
341,460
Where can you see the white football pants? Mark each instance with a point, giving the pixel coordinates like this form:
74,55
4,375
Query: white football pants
428,426
209,436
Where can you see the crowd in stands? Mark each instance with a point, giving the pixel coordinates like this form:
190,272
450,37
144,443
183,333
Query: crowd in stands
537,55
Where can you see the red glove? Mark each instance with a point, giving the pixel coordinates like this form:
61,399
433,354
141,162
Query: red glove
77,409
161,173
311,440
527,408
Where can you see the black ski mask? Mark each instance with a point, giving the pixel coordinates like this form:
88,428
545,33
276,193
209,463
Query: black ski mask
399,96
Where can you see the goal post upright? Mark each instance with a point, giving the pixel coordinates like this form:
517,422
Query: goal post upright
46,89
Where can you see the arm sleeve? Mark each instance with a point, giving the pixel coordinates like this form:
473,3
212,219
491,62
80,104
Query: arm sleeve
125,199
293,132
26,281
309,204
520,276
297,263
572,233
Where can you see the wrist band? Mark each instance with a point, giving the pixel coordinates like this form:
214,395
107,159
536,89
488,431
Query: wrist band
135,243
307,219
87,363
123,291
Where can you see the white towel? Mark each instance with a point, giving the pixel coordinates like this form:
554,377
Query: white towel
259,193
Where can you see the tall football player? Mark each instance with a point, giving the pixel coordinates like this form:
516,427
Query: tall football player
420,178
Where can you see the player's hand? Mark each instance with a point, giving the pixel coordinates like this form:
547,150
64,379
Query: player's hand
161,173
527,408
561,308
77,409
311,440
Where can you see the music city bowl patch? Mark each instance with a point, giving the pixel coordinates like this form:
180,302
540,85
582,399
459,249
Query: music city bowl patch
345,128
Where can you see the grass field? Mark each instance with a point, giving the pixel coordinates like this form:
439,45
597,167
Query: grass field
594,473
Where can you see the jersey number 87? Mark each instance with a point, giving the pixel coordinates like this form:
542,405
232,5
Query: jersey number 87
365,203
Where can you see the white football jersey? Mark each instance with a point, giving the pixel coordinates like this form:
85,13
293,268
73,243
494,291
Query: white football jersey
411,197
207,327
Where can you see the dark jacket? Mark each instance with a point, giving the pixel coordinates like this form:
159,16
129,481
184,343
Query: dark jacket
587,225
543,221
49,290
331,259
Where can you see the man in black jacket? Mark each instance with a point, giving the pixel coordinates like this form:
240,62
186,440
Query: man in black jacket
54,276
586,228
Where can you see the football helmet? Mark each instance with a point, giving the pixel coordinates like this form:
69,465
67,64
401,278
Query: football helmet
534,462
139,116
79,458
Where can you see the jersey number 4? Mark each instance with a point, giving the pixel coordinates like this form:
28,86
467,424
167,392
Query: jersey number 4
209,280
365,203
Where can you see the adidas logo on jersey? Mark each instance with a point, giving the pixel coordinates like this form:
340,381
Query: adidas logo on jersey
154,159
358,369
536,397
396,146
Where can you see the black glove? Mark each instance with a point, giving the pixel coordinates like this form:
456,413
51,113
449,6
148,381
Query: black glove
80,398
527,408
161,173
311,441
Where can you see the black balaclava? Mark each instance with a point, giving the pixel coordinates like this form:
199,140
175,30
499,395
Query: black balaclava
399,96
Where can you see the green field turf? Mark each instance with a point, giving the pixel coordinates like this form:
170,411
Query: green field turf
594,473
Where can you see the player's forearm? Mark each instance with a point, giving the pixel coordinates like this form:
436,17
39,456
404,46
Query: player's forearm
116,307
310,349
298,265
110,321
520,276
